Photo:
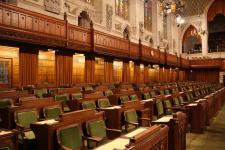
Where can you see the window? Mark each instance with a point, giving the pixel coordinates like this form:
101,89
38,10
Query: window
122,9
4,69
148,15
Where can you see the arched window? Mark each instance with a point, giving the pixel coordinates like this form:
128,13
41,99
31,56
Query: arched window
122,8
192,42
148,15
84,20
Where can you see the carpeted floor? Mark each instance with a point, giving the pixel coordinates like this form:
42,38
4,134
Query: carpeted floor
213,138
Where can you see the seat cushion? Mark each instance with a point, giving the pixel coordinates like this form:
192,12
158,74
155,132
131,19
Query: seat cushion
131,116
29,135
76,96
159,107
97,129
108,93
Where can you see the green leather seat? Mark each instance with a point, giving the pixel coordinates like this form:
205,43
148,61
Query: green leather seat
108,93
146,96
176,101
181,99
23,120
167,92
76,96
70,137
88,105
168,105
88,88
64,98
40,92
131,120
124,99
104,103
133,97
162,92
6,102
152,93
52,112
159,108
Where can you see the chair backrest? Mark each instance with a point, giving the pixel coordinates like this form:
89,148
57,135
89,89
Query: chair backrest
167,92
27,117
146,96
124,99
168,105
76,96
131,116
88,105
181,99
176,101
159,108
133,97
88,88
103,103
96,128
153,94
52,112
70,137
108,93
161,92
40,92
61,97
6,102
188,97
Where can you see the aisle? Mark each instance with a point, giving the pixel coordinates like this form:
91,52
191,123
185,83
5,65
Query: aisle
213,138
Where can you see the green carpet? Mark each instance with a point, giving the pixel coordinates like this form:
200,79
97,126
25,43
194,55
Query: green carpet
213,138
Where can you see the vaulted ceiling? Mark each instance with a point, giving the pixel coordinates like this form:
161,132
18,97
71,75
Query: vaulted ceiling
195,7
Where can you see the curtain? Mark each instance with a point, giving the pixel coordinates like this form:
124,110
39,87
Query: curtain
126,72
89,69
218,7
137,72
146,76
108,69
64,68
28,66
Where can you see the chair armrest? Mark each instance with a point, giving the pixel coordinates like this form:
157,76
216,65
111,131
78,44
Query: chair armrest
133,123
94,139
114,130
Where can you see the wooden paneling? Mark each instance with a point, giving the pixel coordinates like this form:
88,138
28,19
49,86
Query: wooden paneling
153,75
79,38
17,23
110,45
172,60
134,51
117,71
78,68
99,70
162,58
150,54
46,67
206,63
185,63
206,75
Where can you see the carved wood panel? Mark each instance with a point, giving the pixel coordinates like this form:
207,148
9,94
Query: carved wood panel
134,51
172,60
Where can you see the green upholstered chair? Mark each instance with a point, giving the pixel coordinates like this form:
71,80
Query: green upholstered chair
132,120
188,97
23,119
168,106
167,92
108,93
191,96
70,137
133,97
174,91
146,96
76,96
152,93
64,98
162,92
124,99
88,88
176,101
40,92
181,100
159,108
89,105
6,102
52,112
97,132
104,103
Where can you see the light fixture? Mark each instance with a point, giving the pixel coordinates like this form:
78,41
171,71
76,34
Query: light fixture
200,31
171,6
179,20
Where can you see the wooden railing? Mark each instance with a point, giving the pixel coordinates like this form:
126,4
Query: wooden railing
20,25
206,63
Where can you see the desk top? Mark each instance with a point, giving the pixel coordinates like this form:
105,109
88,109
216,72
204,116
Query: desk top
49,122
164,119
5,132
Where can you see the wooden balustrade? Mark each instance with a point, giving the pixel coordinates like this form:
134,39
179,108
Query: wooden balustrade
172,60
206,63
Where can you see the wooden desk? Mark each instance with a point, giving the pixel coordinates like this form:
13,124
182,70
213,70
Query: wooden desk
198,117
7,114
155,137
177,130
8,139
114,115
45,133
15,95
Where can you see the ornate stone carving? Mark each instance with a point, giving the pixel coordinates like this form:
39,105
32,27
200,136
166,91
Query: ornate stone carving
118,26
52,6
109,13
69,9
141,30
